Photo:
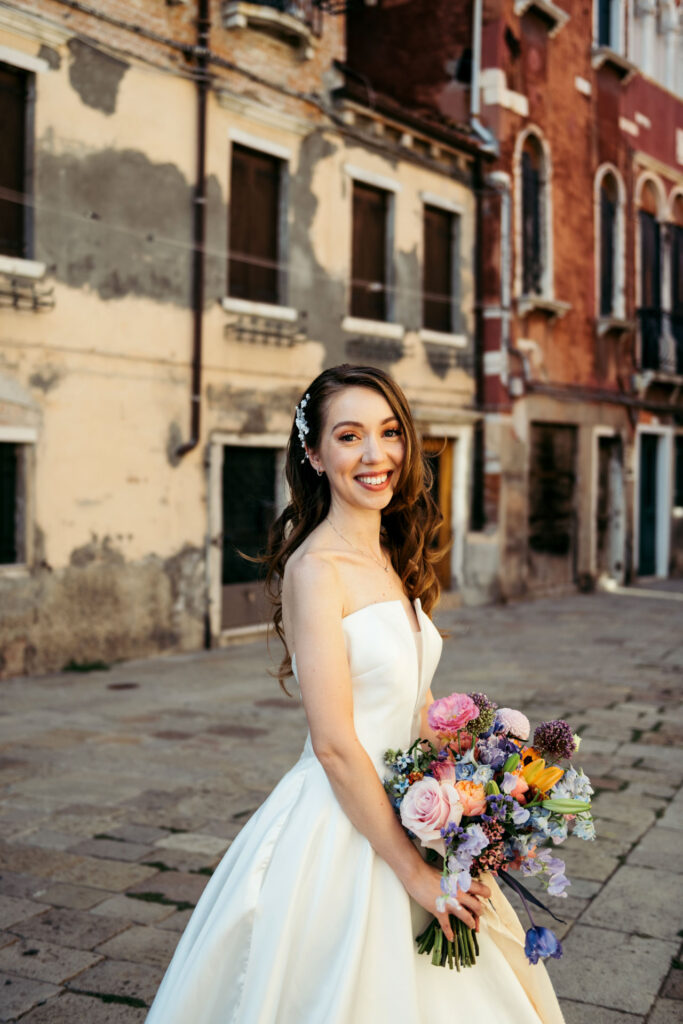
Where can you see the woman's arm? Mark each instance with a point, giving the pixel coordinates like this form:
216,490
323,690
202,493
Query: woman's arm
314,597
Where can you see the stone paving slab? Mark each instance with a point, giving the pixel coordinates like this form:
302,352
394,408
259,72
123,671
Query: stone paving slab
20,994
142,944
611,969
121,978
666,1011
610,665
70,1007
638,899
586,1013
659,848
14,910
44,961
76,928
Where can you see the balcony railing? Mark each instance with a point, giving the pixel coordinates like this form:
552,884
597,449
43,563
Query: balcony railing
306,12
661,341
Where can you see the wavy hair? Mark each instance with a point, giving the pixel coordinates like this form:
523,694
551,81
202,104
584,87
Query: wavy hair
410,522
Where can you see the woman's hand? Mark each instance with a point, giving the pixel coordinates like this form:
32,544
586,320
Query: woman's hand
426,889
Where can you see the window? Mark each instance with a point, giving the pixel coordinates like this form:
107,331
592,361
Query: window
533,187
609,24
12,503
438,278
254,243
676,245
369,284
650,311
610,234
15,94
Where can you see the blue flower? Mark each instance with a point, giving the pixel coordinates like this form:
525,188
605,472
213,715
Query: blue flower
541,943
584,828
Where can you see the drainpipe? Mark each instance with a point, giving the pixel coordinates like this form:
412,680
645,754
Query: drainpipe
490,143
199,229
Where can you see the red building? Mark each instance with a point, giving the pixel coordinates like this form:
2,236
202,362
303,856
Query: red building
580,239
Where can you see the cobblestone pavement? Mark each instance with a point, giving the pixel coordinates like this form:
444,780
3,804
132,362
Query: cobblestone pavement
121,789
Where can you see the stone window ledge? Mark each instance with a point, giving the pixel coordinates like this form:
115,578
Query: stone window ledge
20,571
265,310
13,266
547,11
373,328
602,56
429,337
292,27
605,324
541,304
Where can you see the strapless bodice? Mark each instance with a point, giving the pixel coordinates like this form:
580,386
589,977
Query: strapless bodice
390,674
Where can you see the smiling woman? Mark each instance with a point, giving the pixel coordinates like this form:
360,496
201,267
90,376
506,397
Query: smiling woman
312,913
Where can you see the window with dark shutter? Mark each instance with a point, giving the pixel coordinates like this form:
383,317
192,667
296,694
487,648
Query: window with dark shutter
650,290
13,141
608,249
9,483
532,244
605,23
254,237
437,278
369,253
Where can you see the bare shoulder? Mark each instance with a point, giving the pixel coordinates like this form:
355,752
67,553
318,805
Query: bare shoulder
312,572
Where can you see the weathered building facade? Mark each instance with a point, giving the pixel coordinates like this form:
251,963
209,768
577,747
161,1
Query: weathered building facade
200,209
581,272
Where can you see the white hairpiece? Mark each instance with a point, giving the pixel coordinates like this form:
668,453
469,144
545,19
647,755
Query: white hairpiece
301,424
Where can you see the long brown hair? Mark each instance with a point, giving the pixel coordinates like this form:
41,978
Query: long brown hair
410,522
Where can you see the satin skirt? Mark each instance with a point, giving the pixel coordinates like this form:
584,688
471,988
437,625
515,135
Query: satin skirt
302,923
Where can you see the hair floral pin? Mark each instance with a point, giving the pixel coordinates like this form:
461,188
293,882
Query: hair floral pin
301,424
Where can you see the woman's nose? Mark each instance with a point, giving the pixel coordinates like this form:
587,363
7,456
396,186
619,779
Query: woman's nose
373,449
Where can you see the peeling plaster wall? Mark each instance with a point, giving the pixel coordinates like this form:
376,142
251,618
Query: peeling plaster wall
118,524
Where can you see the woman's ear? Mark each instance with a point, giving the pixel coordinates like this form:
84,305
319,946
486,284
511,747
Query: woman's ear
314,460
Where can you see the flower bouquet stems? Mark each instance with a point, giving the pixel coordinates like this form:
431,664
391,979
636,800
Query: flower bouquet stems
461,952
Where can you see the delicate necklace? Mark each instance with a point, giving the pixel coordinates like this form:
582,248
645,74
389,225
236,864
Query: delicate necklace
383,565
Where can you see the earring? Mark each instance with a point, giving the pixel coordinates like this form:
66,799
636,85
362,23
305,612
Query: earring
319,472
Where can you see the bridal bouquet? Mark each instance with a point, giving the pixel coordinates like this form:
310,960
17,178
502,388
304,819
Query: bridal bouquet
490,801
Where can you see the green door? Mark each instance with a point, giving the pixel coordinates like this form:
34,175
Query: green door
647,549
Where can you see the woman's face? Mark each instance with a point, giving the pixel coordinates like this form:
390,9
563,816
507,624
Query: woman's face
361,448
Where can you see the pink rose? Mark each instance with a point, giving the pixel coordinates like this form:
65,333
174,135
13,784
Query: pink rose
451,714
429,806
472,797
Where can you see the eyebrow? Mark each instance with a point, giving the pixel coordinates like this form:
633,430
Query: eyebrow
355,423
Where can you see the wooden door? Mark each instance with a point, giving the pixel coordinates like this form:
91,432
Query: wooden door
552,504
249,502
647,539
440,452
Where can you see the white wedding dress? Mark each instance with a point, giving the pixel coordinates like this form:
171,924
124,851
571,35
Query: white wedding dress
303,923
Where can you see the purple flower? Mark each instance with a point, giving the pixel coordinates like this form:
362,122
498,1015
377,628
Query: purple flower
555,739
541,943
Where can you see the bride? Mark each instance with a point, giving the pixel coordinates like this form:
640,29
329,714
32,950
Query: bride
311,915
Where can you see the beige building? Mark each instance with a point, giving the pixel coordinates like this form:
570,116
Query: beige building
200,209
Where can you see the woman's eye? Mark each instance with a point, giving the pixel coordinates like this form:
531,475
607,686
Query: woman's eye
393,432
347,437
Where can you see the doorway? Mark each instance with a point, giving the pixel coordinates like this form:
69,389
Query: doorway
610,511
249,494
441,452
552,525
654,501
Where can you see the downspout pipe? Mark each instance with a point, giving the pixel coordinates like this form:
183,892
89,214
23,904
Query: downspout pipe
488,139
198,230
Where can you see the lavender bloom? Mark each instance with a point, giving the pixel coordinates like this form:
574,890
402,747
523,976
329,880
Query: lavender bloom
541,943
520,815
555,739
495,751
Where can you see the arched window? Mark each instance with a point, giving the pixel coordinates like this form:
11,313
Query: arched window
650,307
676,255
609,201
534,249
